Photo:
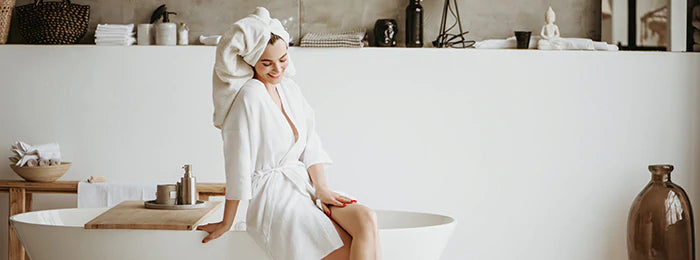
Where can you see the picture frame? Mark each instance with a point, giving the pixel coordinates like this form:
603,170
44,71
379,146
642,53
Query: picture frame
693,26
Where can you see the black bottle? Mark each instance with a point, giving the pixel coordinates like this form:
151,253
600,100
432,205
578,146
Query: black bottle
414,24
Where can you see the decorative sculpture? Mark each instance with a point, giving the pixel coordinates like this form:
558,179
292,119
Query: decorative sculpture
385,32
551,38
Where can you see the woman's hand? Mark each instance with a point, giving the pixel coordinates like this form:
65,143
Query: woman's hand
329,197
215,230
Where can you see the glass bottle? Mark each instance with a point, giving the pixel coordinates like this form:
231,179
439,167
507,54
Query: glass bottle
660,223
414,24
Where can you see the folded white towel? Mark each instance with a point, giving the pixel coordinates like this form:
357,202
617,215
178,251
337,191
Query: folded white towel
113,38
111,34
129,27
342,39
21,146
581,43
210,40
113,31
126,42
575,44
49,151
18,153
109,194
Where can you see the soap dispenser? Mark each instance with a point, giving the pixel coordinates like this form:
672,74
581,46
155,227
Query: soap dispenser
166,32
187,187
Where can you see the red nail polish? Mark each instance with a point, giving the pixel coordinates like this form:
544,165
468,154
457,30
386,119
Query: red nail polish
353,201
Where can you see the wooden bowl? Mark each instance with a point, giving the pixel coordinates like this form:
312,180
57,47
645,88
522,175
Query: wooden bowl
42,173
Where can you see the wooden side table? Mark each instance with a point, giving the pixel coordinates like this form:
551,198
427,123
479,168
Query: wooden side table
21,201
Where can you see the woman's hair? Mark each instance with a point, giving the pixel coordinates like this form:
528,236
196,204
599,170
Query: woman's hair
273,38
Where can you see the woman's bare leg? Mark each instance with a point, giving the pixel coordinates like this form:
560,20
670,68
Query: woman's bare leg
342,253
361,223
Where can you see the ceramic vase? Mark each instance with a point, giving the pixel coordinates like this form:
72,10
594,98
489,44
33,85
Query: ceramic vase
660,223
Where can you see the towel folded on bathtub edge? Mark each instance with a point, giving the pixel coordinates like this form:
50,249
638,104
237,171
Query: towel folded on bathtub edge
110,194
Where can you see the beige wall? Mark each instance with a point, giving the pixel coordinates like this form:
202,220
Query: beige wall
484,19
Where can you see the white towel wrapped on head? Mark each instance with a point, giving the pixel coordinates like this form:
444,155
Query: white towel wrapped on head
238,50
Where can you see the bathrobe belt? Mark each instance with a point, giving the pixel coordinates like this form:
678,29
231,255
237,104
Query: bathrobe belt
295,171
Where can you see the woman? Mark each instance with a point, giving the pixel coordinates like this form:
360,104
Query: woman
274,156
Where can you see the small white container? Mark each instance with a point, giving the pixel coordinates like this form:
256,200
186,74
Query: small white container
166,34
145,34
183,34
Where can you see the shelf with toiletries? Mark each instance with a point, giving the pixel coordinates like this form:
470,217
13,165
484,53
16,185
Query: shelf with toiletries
335,50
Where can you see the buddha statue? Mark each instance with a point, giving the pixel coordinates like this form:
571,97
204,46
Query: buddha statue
551,38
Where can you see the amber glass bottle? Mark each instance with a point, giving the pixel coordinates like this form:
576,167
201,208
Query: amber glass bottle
660,224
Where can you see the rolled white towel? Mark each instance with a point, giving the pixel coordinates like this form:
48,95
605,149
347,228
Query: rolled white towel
32,162
53,162
44,162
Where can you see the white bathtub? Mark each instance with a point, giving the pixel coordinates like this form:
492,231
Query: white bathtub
59,235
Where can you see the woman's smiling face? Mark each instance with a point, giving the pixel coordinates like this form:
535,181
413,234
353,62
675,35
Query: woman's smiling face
272,64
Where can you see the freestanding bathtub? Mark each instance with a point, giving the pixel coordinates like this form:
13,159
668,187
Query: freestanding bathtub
59,235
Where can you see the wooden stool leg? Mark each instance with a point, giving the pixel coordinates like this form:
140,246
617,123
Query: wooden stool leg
17,205
27,208
203,196
28,202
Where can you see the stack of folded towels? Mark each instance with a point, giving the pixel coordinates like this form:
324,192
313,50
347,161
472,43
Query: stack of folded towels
352,39
115,34
40,155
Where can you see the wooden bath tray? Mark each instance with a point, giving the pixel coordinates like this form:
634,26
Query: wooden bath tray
132,214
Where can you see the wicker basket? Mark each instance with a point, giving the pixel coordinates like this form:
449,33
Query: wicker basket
6,7
42,173
52,22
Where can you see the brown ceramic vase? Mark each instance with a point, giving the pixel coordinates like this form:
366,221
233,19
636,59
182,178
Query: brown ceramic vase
660,223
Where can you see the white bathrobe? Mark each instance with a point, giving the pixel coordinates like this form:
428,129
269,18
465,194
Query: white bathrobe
265,165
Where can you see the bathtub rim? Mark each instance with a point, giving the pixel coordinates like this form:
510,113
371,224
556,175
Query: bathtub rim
449,220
